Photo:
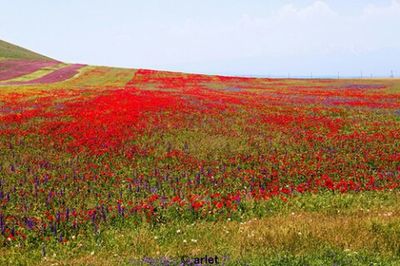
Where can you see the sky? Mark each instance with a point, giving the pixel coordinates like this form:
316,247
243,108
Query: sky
230,37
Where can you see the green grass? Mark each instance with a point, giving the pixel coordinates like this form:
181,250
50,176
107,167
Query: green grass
103,77
325,229
8,50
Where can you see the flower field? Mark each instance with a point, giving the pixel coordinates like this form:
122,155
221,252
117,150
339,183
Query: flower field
84,155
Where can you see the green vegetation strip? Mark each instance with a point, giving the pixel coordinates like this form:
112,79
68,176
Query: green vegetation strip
324,229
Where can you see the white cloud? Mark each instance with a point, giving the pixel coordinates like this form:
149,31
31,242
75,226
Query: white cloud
392,10
316,29
316,9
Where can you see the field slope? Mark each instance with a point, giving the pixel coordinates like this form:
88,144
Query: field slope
114,166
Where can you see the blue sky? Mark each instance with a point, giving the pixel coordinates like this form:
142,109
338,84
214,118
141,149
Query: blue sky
235,37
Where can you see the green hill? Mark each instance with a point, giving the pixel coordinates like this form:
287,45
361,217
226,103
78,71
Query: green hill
8,50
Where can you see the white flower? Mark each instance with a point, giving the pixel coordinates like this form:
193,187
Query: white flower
178,231
194,240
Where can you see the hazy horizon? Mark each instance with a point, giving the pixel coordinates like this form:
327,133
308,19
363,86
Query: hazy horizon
279,38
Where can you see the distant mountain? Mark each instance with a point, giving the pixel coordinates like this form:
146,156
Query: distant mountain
8,50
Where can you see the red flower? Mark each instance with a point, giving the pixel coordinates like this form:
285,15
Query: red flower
219,205
197,205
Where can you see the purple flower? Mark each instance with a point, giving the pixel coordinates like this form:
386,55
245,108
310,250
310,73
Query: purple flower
29,223
2,224
67,214
120,210
58,217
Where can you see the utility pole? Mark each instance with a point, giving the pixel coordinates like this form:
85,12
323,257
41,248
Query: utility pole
338,76
391,74
361,74
311,74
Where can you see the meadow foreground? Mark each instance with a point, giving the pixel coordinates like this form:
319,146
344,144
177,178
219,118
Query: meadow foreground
107,166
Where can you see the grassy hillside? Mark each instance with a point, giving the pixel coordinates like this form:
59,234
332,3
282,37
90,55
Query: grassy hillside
8,50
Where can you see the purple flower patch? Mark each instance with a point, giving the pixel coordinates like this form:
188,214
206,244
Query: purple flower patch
56,76
59,74
10,69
